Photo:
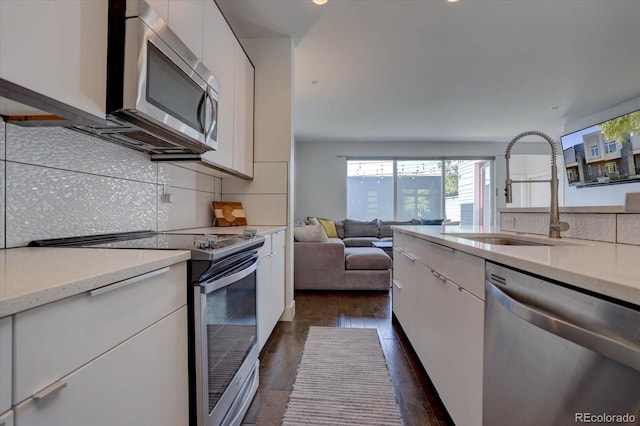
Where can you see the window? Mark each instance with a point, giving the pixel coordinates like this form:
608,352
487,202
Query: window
611,168
398,189
595,151
610,147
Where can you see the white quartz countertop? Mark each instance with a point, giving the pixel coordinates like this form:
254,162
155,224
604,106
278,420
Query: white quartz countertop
34,276
605,268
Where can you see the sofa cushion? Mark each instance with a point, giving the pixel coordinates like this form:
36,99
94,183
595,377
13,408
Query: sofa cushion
431,221
385,226
340,228
357,228
359,241
366,258
310,233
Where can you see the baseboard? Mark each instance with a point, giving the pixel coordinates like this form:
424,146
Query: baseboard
289,312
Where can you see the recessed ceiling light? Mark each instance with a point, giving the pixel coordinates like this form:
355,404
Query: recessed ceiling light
452,1
555,107
320,2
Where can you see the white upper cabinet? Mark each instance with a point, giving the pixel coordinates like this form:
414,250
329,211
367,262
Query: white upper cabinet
57,49
217,56
185,18
243,114
161,7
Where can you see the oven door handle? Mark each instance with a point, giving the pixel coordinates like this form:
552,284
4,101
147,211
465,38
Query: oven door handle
206,288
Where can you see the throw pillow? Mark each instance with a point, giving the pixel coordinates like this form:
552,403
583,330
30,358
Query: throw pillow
313,220
329,228
310,233
358,228
340,228
431,221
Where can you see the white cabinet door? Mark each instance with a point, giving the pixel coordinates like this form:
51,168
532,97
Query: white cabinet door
271,287
185,18
405,292
5,364
142,381
55,339
243,113
58,49
450,345
218,57
6,419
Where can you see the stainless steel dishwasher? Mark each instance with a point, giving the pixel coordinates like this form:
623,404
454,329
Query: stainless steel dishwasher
555,355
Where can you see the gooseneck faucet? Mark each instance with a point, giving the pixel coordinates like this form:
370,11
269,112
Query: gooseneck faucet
555,225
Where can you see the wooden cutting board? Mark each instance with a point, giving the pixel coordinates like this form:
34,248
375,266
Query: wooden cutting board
229,213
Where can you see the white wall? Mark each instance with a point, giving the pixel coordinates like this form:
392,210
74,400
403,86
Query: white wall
321,172
268,199
608,195
61,183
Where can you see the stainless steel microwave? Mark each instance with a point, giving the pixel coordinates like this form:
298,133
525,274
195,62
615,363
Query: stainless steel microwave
161,99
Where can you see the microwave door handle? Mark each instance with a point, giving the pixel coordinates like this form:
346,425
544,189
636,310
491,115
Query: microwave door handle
199,112
213,113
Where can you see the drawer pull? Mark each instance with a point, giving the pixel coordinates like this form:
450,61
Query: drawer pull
47,392
125,283
438,275
411,258
397,284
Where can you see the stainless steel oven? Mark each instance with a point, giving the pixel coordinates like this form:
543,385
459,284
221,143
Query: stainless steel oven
221,295
226,351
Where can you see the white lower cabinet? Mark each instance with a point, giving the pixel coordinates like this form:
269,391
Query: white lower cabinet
271,284
116,355
6,419
450,345
5,364
142,381
444,320
405,292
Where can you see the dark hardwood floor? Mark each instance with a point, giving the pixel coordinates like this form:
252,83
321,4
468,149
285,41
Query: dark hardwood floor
281,355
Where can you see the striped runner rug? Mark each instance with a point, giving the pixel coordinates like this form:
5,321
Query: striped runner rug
342,379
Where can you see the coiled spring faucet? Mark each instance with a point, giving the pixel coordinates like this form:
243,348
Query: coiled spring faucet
555,225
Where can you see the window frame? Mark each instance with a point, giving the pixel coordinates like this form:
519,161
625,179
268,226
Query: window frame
442,161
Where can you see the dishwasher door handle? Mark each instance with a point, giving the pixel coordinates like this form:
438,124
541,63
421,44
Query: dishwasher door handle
623,352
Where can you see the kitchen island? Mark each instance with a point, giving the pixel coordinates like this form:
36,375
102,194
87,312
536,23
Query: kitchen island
439,294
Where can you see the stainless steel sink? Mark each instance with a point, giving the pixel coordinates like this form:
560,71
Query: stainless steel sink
504,241
510,240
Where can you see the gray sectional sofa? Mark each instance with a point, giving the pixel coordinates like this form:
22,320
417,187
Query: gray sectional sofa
348,262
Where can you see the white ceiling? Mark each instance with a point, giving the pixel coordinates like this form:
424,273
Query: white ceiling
428,70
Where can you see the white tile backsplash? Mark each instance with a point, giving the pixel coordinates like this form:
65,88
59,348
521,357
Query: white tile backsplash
2,144
269,178
190,209
585,226
262,209
180,177
70,150
44,202
2,209
629,229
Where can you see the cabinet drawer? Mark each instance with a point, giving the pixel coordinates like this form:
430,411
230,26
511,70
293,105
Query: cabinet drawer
53,340
398,240
142,381
463,269
5,364
6,419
